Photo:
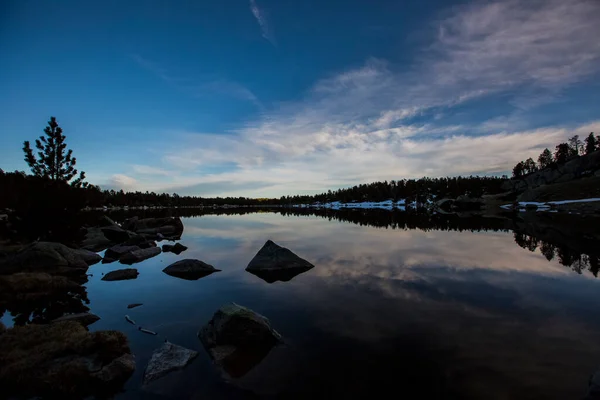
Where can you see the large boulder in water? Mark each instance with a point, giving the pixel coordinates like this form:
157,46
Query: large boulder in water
237,339
49,257
136,256
167,358
63,360
190,269
273,262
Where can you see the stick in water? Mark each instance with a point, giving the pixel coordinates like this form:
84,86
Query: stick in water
129,320
147,331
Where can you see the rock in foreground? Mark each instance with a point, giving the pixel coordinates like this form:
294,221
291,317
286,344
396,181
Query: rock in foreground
190,269
63,360
121,274
167,358
237,339
272,259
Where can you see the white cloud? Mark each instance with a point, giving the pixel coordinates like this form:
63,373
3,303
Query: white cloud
262,22
120,181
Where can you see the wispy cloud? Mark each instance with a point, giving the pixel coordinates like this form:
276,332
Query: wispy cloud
262,22
198,86
149,170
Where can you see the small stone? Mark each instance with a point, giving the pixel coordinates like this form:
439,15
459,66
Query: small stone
121,274
84,319
190,269
134,305
167,358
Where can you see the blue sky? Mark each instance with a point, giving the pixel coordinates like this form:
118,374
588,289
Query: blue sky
272,97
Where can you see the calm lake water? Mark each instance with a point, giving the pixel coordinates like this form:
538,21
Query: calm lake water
414,313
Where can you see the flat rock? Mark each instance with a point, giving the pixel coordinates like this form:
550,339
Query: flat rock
167,358
237,339
63,360
84,319
134,305
136,256
190,269
176,248
49,257
121,274
272,257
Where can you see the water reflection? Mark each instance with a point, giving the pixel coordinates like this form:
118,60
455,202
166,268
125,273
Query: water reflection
424,306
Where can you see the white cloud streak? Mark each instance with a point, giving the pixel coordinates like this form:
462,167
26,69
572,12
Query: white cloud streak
262,22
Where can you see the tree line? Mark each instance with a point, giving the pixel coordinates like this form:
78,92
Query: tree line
563,152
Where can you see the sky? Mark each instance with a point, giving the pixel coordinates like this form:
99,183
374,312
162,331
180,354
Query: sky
264,98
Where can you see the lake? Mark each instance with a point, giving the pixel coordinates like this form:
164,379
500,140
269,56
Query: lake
414,306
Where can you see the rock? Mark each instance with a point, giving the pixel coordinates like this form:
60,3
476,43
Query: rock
271,258
190,269
531,207
121,274
106,221
89,257
237,339
115,252
115,233
84,319
53,258
135,239
136,256
63,360
177,248
444,204
134,305
167,358
466,203
95,240
147,244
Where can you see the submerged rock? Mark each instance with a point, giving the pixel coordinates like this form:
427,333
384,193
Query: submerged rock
134,305
136,256
84,319
167,358
190,269
49,257
273,260
176,248
121,274
237,339
63,360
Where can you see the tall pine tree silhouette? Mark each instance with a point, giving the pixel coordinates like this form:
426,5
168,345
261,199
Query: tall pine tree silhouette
54,161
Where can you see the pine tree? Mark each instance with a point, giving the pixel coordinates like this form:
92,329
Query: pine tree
576,145
545,159
52,161
590,144
563,153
